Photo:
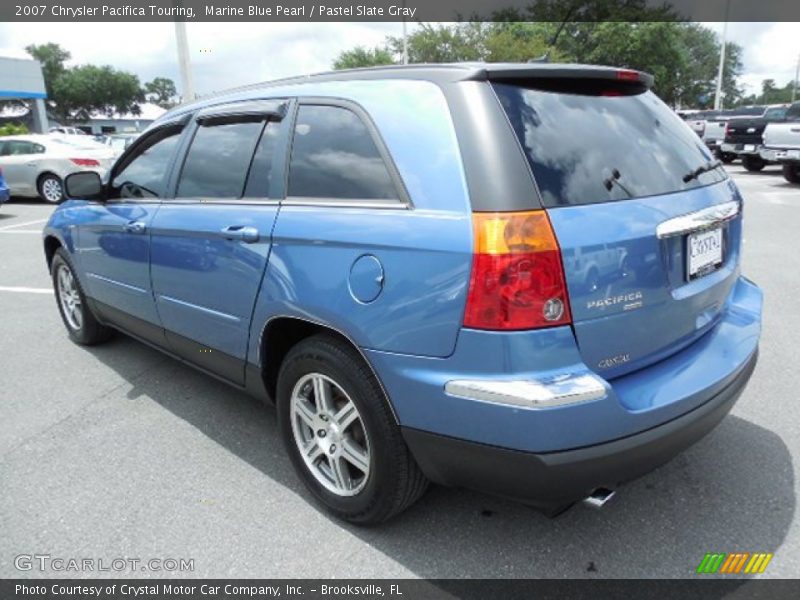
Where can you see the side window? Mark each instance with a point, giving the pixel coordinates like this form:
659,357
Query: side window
335,157
144,175
261,171
217,163
4,149
19,148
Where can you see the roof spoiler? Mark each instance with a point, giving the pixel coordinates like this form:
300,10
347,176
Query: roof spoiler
542,70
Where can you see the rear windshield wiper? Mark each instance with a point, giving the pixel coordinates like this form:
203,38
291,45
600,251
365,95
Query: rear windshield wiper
710,166
610,182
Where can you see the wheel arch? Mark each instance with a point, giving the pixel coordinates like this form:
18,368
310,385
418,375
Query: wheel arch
51,245
281,333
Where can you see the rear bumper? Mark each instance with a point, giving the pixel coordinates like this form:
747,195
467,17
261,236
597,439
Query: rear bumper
781,155
556,478
741,148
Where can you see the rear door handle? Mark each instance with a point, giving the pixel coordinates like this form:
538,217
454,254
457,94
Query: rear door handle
241,233
135,227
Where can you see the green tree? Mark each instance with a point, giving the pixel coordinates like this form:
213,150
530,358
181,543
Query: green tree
361,56
82,91
53,59
13,129
435,43
161,91
74,93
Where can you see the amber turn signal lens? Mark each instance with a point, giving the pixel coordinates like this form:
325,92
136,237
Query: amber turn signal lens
513,232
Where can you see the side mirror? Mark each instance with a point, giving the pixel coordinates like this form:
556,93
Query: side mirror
85,185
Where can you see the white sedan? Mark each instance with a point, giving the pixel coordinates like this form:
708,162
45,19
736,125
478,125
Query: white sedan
36,165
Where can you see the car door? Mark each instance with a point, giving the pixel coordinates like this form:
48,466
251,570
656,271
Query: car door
114,245
211,241
18,160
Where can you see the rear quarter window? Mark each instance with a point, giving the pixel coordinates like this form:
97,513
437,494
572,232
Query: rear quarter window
603,146
335,157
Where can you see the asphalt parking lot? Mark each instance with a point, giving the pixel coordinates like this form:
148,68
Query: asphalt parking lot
118,451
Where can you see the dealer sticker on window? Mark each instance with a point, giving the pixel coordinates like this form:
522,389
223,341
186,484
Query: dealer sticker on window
704,252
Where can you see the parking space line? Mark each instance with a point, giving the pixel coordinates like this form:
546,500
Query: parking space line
26,290
15,225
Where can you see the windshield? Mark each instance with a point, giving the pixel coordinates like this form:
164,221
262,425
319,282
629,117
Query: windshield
589,148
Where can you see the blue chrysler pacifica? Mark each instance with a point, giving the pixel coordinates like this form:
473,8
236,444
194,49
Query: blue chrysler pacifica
517,278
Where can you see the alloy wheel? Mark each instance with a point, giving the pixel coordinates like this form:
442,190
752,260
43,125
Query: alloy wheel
70,298
52,190
330,434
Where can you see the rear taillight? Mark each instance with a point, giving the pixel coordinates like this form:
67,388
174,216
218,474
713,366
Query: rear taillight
517,279
85,162
727,129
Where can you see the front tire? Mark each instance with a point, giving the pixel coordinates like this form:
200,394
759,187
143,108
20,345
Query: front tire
753,163
341,435
50,188
791,173
82,326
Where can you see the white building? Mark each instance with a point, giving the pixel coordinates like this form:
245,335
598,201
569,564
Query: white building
21,79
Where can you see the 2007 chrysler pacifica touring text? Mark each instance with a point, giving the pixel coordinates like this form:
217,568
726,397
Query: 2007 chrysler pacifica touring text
517,278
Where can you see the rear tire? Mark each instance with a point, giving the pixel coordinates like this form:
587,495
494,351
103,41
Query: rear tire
330,404
753,163
50,188
727,157
82,326
791,173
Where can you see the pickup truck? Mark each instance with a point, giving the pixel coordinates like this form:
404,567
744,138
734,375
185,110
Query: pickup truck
782,144
743,135
710,126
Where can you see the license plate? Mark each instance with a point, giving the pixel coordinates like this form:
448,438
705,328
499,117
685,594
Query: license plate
749,148
704,252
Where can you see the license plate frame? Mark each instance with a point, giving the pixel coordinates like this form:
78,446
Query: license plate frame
705,252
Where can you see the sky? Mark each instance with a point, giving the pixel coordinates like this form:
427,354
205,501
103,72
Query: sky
225,55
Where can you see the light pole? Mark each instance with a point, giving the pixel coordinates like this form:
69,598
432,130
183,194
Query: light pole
183,61
405,36
721,70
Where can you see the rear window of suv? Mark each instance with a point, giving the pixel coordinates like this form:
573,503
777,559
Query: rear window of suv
604,144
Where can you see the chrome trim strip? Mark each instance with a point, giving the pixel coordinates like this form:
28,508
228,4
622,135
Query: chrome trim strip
214,313
531,393
346,203
706,218
133,288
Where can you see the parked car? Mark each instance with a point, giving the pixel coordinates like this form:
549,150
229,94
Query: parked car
381,253
119,142
67,131
782,144
36,165
744,136
5,194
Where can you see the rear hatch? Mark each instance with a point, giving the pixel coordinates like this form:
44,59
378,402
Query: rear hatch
647,222
744,131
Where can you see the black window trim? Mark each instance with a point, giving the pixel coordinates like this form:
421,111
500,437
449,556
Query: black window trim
160,130
403,201
268,110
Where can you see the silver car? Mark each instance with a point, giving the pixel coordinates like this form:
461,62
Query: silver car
36,165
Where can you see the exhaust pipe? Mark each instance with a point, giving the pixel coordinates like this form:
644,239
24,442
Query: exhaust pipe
598,498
